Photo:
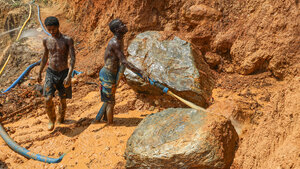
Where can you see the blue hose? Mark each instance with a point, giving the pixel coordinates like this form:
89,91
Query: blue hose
13,145
41,21
22,76
75,72
155,83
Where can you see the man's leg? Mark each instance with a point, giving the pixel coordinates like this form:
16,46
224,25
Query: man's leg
50,110
64,94
111,105
110,113
105,114
101,113
62,110
107,89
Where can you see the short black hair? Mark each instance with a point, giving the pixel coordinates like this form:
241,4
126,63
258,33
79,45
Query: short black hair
51,21
114,25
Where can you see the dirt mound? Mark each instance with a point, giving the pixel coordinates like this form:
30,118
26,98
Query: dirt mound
247,44
275,138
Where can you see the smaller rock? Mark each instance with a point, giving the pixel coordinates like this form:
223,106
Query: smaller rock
212,59
229,69
17,160
151,108
38,88
3,156
74,81
198,11
107,148
277,67
224,40
92,72
26,84
37,122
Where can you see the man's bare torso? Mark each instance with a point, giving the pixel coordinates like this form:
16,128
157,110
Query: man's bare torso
111,60
58,52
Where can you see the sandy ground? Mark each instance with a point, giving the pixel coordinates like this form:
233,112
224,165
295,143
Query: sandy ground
88,145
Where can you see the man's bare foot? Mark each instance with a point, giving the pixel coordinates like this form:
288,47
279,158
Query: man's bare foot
60,120
50,126
110,123
95,121
98,121
104,118
61,116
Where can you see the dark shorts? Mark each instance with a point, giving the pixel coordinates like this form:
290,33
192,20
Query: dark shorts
54,81
108,85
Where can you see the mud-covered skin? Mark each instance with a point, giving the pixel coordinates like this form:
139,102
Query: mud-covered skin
58,50
62,111
114,57
59,46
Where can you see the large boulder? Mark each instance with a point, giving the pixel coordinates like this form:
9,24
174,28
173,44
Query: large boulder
173,63
182,138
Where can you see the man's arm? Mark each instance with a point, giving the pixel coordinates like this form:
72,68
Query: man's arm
44,60
124,61
67,80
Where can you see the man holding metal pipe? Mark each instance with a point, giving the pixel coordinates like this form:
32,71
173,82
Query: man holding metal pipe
114,61
58,75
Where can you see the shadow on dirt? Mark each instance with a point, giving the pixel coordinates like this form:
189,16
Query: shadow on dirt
3,165
128,122
73,128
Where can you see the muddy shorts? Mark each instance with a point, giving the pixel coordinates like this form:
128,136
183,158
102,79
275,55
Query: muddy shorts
54,81
108,85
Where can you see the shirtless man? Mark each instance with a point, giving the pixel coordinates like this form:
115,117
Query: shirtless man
114,58
58,75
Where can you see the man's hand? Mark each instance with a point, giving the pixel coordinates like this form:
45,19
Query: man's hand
39,78
67,82
145,76
123,78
